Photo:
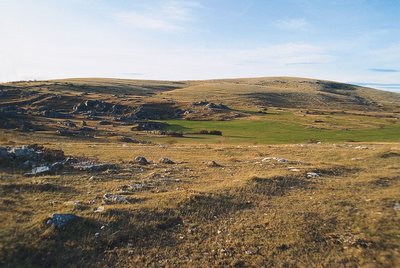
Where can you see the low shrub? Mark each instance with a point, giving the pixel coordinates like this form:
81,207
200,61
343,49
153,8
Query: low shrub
211,132
215,132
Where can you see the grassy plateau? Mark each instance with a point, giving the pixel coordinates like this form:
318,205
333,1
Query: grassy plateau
302,173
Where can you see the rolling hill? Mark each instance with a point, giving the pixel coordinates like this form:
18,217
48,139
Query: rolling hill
284,92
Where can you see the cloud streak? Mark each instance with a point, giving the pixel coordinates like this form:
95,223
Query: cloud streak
292,24
383,70
172,16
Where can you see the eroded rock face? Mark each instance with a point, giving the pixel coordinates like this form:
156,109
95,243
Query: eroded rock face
94,107
15,155
44,161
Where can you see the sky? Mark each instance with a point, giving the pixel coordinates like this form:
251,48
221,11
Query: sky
355,41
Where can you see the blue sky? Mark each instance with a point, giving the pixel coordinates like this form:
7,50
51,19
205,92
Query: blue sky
344,40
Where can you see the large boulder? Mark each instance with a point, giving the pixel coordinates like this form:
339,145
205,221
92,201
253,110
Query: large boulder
61,220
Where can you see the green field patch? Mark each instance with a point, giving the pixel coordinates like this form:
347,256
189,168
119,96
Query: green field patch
278,132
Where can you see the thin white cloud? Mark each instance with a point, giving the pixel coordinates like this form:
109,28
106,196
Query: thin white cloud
293,24
285,54
171,16
180,10
146,21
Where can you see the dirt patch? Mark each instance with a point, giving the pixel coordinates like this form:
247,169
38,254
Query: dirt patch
385,181
278,185
33,188
209,207
390,154
335,171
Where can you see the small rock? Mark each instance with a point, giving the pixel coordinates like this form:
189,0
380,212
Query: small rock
43,170
141,160
99,209
281,160
213,164
166,161
361,147
113,198
61,220
312,175
74,204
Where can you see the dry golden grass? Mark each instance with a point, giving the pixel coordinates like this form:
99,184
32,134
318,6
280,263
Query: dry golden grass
245,213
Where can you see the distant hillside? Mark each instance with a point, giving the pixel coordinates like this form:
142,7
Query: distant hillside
287,92
283,92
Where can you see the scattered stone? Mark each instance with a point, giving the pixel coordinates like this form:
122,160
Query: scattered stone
148,126
219,106
166,160
396,207
68,123
279,160
361,147
200,103
141,160
74,204
294,169
99,209
88,166
94,107
138,186
104,122
43,170
213,164
312,175
61,220
111,198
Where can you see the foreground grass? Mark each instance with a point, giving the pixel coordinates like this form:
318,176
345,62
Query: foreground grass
278,131
245,213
